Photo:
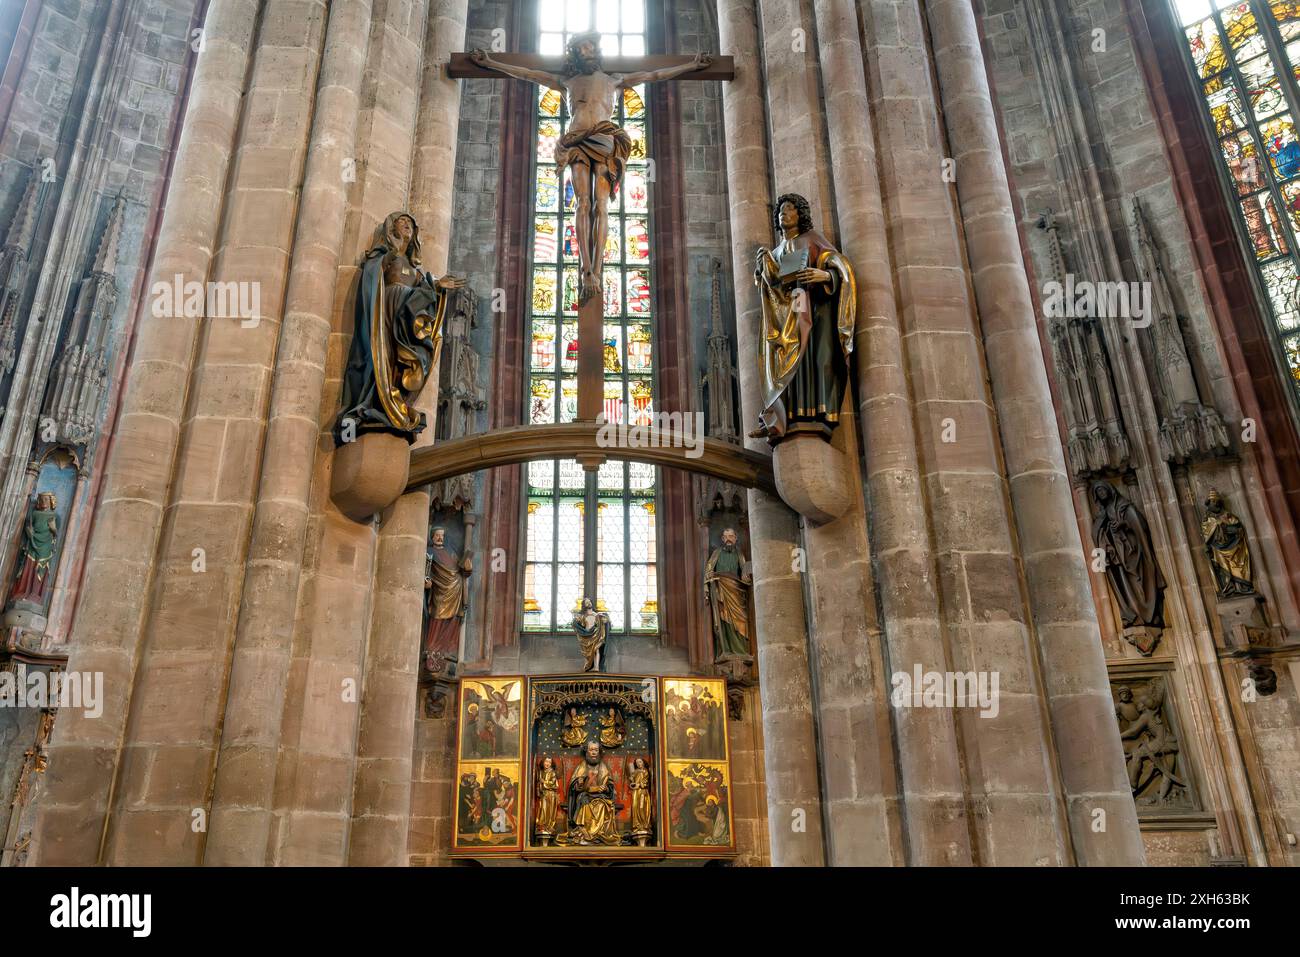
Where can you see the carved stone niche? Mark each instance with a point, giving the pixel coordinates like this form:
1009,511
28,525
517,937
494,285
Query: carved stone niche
1156,757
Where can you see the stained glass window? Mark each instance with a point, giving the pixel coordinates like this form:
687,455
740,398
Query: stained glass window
592,534
1245,56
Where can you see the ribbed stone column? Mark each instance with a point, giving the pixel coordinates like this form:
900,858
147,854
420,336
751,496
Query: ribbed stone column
179,698
245,777
1013,807
1074,672
110,616
789,739
338,597
382,799
850,687
903,561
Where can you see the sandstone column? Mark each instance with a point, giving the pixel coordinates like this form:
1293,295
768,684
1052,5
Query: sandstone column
1013,807
903,560
789,739
382,799
119,566
316,774
850,686
245,775
1073,668
179,699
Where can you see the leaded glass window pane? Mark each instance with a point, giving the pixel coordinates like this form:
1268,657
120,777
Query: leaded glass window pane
1246,57
591,533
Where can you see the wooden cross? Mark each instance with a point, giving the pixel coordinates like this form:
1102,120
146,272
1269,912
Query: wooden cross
545,71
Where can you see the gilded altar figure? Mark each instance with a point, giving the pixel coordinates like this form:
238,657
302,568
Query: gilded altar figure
594,147
1227,548
727,584
809,306
40,535
398,332
446,588
591,802
591,627
613,729
548,797
575,728
1121,531
638,782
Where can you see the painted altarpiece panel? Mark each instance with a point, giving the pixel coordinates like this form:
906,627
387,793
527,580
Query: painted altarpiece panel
489,759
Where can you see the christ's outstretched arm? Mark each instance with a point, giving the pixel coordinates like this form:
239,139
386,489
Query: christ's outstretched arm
701,61
482,58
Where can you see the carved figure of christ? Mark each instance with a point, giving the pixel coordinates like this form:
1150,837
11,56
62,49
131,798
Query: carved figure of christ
594,148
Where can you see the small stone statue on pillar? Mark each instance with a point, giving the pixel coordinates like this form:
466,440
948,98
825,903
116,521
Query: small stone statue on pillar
1227,548
34,577
1121,532
446,586
727,581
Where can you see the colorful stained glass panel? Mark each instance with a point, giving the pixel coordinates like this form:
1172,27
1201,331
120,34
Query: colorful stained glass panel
1207,48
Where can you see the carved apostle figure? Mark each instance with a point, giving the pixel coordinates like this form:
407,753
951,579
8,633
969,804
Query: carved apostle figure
727,583
548,797
594,147
1121,531
809,306
638,782
1227,548
446,590
395,343
591,627
591,802
40,535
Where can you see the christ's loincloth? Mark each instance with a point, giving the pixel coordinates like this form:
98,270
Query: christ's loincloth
606,144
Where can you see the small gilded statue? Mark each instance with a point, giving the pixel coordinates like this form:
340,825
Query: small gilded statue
548,799
1121,532
1227,548
727,584
591,626
398,332
638,782
613,729
809,306
575,728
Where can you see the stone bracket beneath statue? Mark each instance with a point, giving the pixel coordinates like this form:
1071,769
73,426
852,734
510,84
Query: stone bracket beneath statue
370,474
812,477
740,674
1144,638
1245,624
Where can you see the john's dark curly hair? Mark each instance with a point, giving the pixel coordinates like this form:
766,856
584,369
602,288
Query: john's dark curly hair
801,207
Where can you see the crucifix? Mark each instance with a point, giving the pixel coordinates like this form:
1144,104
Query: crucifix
595,150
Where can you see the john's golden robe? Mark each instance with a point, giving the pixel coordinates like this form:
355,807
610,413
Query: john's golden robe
807,339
